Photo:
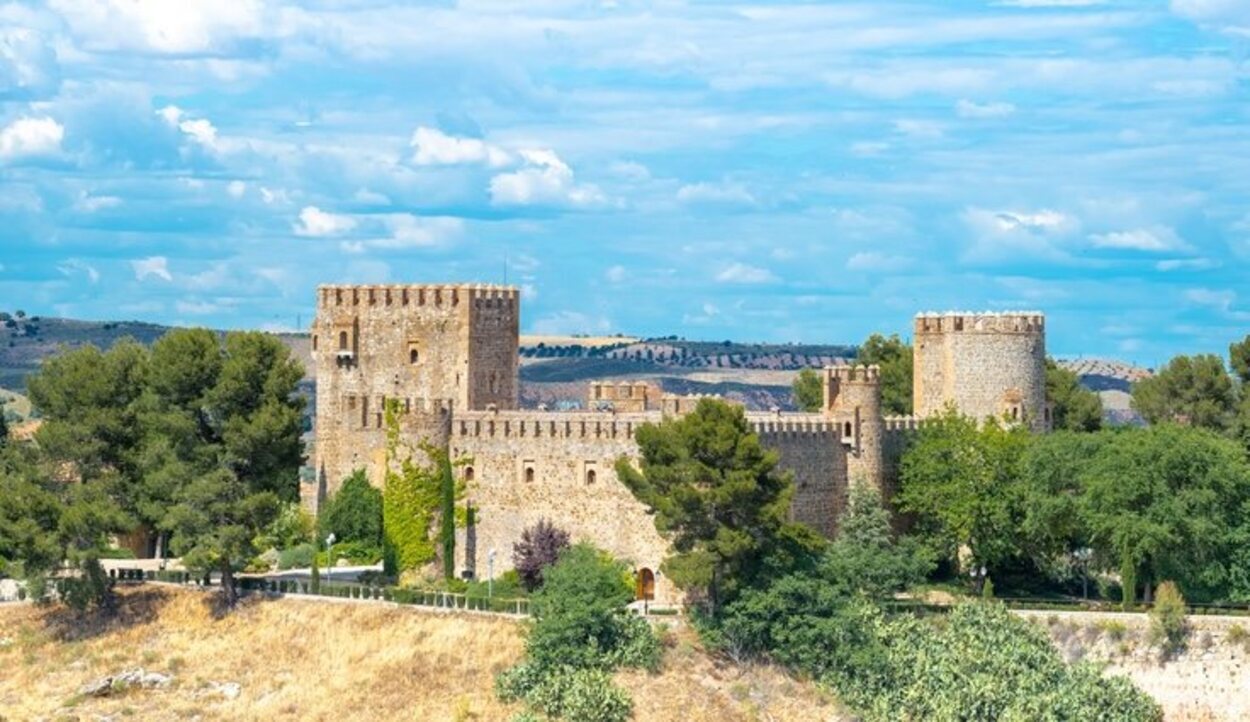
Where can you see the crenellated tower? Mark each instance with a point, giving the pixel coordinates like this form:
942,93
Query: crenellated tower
432,349
852,400
985,364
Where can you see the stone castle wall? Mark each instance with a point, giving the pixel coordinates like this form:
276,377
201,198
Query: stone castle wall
430,347
527,466
987,365
447,356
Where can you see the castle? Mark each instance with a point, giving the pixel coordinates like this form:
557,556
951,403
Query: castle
446,355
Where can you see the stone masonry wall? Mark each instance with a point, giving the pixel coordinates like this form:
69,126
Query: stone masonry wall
429,347
986,364
528,466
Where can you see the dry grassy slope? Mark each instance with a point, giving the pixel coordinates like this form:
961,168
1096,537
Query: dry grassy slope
320,660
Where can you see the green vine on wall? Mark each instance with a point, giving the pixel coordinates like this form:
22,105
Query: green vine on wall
417,500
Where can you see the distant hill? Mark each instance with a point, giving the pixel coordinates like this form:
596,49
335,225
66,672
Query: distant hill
555,370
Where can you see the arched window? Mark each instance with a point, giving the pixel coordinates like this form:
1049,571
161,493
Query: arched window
468,473
590,476
847,432
342,340
529,474
413,355
314,342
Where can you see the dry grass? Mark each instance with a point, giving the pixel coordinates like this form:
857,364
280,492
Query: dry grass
321,660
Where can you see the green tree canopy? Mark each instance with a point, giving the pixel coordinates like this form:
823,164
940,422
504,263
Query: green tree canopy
719,498
1073,407
808,391
1165,502
222,428
960,480
894,356
354,513
1194,390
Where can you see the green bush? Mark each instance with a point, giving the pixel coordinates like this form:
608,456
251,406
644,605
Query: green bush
354,513
292,527
297,557
582,631
116,553
566,692
356,553
1168,627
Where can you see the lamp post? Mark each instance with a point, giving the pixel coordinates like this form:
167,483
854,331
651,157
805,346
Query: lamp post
330,556
490,574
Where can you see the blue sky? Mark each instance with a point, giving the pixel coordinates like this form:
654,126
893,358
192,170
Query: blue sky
716,170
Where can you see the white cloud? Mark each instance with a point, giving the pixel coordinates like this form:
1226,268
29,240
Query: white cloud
1007,234
543,179
316,223
373,198
200,130
157,266
529,292
31,137
616,274
87,203
72,266
236,188
176,28
629,170
408,231
969,109
742,273
724,192
1220,300
272,196
434,147
1186,264
874,261
1232,16
1153,240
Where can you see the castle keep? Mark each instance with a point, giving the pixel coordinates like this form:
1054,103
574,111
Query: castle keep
446,356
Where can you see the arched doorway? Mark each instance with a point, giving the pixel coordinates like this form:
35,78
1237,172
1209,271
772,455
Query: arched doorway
646,585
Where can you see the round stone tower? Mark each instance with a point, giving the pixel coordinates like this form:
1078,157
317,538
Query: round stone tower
985,364
852,400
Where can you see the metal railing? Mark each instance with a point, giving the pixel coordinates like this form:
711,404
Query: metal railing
336,589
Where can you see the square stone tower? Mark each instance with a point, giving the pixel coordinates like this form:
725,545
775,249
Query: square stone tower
431,348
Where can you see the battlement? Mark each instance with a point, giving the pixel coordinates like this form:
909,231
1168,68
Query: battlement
678,404
451,295
794,424
621,396
854,374
902,423
1026,322
548,424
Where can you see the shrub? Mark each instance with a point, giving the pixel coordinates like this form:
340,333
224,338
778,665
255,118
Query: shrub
293,526
354,513
1237,634
566,692
299,556
355,553
540,546
1168,627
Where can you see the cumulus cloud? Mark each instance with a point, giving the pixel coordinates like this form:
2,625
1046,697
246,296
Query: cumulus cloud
969,109
152,266
543,179
874,261
314,222
1151,240
616,274
738,272
715,193
1000,235
434,147
236,188
200,130
405,231
73,266
186,27
31,137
